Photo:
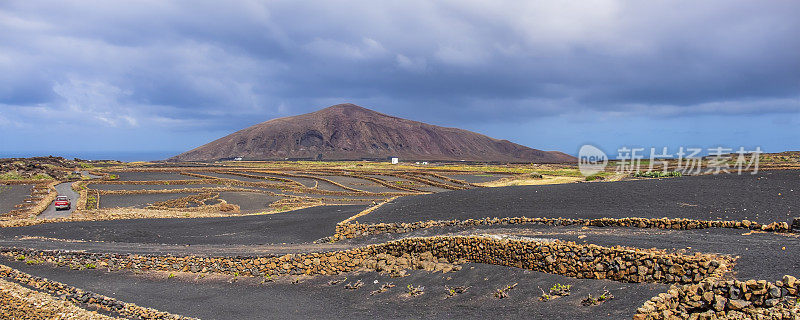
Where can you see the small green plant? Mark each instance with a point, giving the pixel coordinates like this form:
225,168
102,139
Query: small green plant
452,292
590,301
544,296
171,275
91,266
34,262
415,291
20,257
267,278
354,285
502,293
336,281
560,289
385,287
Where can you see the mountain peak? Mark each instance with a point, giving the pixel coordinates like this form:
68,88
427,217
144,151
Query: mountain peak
345,108
351,132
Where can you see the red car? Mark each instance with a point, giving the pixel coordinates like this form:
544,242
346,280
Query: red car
62,202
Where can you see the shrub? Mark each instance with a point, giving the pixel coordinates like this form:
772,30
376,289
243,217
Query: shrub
11,175
657,174
42,176
594,177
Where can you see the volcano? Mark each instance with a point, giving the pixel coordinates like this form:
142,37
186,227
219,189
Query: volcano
351,132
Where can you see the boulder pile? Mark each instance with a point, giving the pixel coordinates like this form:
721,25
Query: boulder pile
728,299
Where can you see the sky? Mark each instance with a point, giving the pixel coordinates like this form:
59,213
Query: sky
144,80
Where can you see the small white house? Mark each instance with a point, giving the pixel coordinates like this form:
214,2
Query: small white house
237,159
395,160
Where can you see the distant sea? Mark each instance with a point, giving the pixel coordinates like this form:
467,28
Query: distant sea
127,156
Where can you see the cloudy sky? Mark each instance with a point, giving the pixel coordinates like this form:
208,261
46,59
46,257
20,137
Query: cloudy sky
161,77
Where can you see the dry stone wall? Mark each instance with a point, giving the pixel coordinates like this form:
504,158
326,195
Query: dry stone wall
79,296
556,257
728,299
352,230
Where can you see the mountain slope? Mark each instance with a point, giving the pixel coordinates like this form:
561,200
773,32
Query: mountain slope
350,132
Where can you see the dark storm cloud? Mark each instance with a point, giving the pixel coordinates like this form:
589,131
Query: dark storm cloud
224,65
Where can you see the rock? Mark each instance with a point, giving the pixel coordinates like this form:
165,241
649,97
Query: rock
738,304
708,297
796,224
719,303
788,280
769,303
775,292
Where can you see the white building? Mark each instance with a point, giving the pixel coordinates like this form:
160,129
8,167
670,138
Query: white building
395,160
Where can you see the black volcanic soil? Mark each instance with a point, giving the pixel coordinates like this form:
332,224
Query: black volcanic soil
766,197
360,184
763,255
215,298
150,176
149,187
305,225
137,200
249,202
13,195
234,177
477,178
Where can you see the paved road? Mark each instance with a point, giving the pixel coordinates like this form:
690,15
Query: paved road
63,189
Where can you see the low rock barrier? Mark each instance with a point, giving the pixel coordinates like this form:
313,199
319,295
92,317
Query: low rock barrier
729,299
76,295
556,257
353,230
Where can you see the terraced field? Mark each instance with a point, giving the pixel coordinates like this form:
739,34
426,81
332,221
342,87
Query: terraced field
13,195
242,242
